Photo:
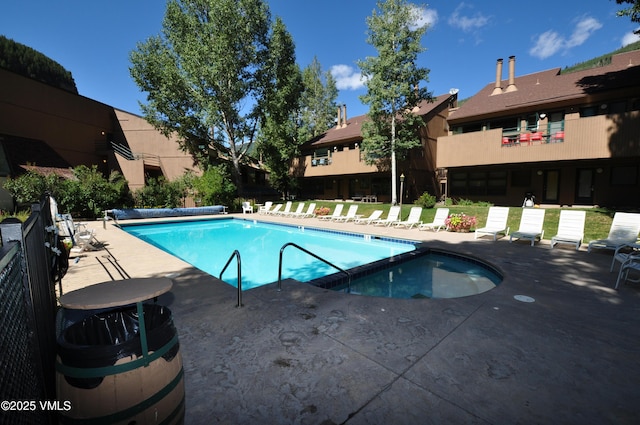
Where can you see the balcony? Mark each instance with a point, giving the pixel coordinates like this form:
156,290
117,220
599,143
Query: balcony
584,138
335,163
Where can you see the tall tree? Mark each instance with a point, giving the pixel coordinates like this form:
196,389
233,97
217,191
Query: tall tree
632,11
393,84
278,139
318,102
206,76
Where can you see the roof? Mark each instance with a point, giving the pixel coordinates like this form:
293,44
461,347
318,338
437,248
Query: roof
353,130
552,87
25,154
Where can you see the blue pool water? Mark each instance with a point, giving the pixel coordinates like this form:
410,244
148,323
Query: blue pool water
208,244
428,275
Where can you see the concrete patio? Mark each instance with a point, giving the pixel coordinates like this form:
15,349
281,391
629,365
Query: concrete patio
306,355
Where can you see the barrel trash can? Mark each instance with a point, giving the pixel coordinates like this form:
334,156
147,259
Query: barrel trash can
114,372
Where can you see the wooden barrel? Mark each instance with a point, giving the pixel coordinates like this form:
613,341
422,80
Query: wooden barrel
111,370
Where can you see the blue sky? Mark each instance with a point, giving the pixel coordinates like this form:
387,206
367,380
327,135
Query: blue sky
92,39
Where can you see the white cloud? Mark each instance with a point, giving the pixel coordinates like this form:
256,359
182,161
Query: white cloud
584,29
427,17
347,78
550,42
467,23
629,38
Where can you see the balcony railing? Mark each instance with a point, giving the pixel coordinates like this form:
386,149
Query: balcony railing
529,139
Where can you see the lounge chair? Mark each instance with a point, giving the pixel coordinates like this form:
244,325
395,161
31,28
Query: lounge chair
623,252
309,213
412,220
375,215
570,228
438,220
336,213
247,207
496,223
275,210
81,236
350,215
624,230
531,224
265,208
631,263
298,210
286,210
392,217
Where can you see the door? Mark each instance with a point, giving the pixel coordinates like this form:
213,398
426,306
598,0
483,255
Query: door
551,186
584,186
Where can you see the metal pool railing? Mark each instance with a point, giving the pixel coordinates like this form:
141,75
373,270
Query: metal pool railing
236,254
314,256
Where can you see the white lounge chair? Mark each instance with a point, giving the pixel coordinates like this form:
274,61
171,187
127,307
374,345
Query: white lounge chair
309,213
247,207
264,209
570,228
286,210
531,224
375,215
392,217
275,210
438,220
496,223
297,212
350,215
624,230
632,263
412,220
336,213
82,238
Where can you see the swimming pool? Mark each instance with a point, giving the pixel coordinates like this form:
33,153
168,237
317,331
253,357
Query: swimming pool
208,244
423,273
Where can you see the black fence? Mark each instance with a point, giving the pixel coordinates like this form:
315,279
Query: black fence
29,269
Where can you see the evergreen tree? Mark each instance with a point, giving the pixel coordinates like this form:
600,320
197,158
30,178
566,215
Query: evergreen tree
318,102
279,140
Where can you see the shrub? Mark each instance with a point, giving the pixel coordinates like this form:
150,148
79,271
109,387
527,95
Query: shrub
426,200
464,202
159,193
214,187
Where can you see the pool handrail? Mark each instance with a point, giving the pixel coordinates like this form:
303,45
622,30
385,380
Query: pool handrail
316,257
236,254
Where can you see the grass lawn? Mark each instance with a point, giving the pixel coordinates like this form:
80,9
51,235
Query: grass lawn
598,221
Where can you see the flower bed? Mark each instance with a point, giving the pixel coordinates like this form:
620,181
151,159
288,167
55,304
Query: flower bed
460,222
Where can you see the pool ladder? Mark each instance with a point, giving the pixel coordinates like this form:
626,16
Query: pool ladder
236,254
314,256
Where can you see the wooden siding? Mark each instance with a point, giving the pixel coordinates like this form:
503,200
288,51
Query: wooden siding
602,136
342,162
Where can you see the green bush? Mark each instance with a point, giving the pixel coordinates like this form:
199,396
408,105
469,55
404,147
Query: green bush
464,202
159,193
214,187
87,195
426,200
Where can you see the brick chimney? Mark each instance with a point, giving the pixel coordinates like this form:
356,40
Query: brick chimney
498,89
512,77
344,115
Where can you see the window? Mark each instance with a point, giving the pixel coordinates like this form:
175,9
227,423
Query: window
624,175
478,183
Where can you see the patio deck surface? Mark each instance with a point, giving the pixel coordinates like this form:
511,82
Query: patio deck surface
311,356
